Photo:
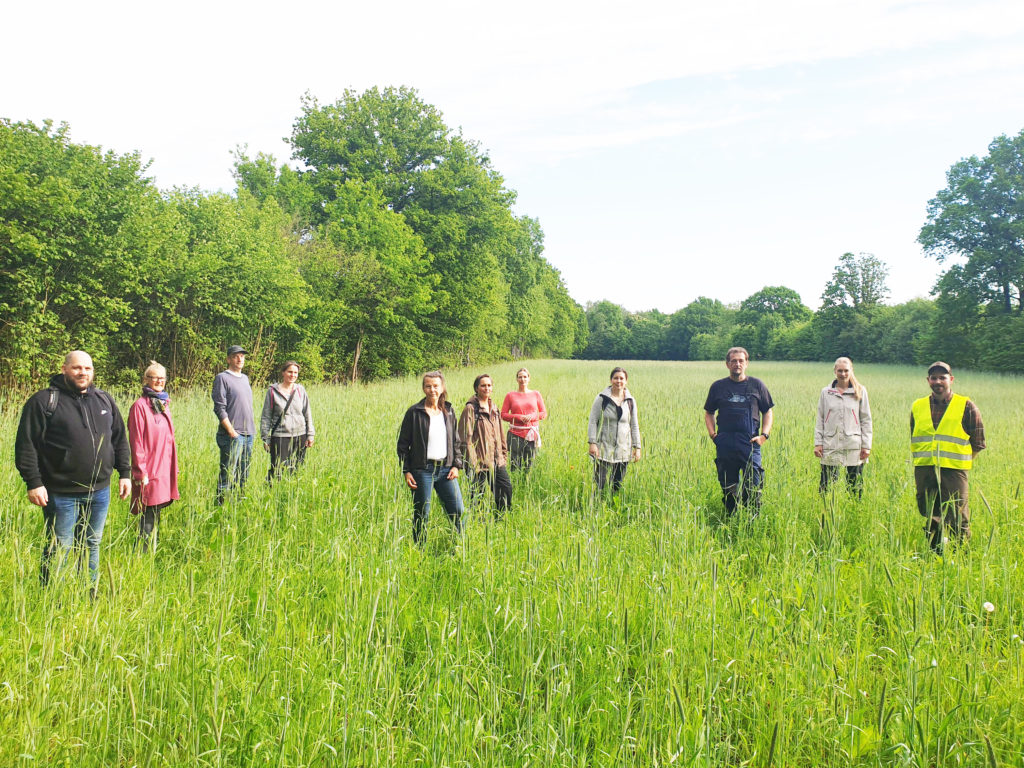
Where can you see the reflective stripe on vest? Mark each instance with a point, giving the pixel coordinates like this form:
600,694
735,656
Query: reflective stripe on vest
947,445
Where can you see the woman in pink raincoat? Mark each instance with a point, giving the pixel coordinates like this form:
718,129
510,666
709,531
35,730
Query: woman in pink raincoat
154,454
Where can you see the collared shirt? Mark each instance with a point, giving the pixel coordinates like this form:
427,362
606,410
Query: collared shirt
972,423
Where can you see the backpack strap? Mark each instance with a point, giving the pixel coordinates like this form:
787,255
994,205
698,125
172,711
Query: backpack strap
51,405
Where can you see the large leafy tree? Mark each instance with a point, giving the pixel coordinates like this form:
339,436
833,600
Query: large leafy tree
446,190
69,246
777,300
980,216
702,315
371,279
220,275
857,282
608,333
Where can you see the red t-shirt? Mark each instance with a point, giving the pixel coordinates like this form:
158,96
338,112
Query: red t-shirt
524,410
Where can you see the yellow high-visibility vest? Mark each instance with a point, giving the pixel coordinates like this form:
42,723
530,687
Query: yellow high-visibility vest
947,445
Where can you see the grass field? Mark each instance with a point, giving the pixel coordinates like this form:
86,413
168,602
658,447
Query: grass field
301,627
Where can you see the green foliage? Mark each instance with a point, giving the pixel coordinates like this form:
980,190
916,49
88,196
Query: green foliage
494,294
394,247
608,336
775,300
68,214
710,346
701,316
980,216
857,282
372,284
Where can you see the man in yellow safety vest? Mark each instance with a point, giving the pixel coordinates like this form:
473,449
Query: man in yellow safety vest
946,434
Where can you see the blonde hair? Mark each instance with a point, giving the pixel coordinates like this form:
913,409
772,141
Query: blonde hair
858,390
154,367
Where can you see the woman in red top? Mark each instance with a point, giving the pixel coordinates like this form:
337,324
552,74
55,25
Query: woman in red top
523,409
154,453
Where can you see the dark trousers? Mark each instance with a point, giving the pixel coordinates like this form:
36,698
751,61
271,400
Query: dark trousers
943,501
286,453
741,480
149,524
520,452
854,478
498,482
609,472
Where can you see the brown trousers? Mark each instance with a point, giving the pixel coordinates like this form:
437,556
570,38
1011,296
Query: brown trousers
944,502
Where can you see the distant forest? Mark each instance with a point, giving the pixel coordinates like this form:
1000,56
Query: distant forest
391,246
975,320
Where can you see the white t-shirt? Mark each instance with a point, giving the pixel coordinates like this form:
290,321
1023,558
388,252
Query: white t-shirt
437,438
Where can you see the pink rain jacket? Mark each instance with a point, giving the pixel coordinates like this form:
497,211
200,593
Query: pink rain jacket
154,455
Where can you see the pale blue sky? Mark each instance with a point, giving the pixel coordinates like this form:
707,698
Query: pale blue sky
669,149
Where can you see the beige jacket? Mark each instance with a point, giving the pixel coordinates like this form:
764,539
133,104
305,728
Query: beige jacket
480,431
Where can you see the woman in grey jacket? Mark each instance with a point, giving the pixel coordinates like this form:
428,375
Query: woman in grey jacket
842,431
613,432
286,424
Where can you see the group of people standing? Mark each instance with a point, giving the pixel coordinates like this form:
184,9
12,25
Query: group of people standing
286,423
71,437
434,445
946,435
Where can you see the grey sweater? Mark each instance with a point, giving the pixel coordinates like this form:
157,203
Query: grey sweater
297,421
613,428
232,397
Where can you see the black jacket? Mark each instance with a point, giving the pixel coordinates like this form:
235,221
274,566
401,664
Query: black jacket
76,449
412,437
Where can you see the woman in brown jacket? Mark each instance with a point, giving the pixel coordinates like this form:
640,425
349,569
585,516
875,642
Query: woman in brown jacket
486,450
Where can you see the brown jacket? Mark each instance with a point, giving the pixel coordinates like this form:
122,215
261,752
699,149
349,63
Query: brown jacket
480,431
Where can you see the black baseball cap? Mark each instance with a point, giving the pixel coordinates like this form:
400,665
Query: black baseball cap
234,349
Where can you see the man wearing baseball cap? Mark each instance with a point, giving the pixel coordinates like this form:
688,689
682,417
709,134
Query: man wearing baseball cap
232,402
946,434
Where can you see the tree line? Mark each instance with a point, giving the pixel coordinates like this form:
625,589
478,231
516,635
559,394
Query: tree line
390,246
975,317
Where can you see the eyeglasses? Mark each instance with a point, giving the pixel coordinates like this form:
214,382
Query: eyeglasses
156,378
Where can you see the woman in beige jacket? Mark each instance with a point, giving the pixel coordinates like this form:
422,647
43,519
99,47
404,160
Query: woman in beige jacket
486,450
842,431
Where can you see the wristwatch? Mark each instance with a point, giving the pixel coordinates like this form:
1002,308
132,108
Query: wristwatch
764,435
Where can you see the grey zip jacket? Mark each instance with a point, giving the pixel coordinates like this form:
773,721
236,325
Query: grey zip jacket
298,421
613,428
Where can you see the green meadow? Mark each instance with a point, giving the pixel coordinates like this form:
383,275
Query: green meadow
301,626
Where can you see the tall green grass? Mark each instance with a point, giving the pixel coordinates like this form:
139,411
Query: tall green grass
301,626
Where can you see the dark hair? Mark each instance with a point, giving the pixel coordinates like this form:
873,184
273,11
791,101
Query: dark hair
444,386
288,364
478,379
617,369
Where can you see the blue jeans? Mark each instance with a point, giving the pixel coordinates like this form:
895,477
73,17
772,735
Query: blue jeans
73,519
235,457
434,477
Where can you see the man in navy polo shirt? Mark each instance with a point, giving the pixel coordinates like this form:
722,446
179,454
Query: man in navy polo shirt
744,408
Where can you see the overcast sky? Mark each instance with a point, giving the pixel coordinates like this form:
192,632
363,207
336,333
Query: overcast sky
669,149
